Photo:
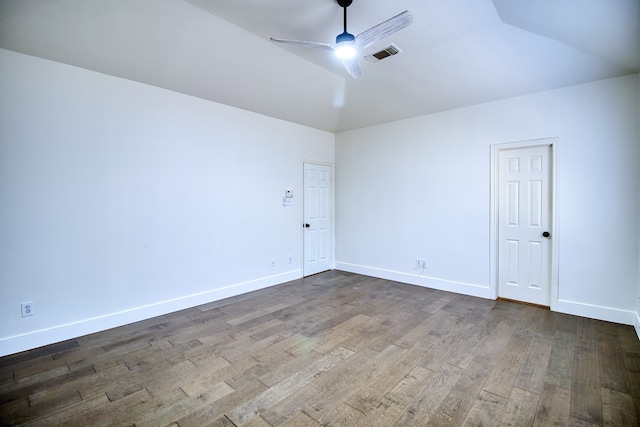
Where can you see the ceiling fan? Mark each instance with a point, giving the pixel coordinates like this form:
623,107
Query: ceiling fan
347,44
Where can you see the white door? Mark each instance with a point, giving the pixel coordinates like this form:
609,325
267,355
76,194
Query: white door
317,218
524,220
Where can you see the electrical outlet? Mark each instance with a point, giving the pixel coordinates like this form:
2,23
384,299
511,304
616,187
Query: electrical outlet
418,262
27,309
273,262
423,263
290,259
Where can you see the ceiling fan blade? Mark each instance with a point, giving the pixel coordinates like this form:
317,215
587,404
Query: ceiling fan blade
384,29
352,66
325,46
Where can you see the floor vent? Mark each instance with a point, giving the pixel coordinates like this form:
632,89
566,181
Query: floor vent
384,53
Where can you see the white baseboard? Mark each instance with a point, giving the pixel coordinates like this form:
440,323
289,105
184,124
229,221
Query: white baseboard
568,307
54,334
607,314
34,339
418,280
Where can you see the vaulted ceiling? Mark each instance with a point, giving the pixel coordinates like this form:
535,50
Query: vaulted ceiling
456,53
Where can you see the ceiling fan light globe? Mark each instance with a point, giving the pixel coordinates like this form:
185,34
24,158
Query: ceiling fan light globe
345,51
345,46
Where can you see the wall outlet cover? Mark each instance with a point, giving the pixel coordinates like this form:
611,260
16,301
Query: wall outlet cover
26,309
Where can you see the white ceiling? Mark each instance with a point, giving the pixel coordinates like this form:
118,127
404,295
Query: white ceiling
456,53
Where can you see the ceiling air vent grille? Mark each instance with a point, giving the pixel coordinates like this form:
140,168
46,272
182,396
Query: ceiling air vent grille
384,53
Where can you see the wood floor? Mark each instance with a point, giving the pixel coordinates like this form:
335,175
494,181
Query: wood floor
335,349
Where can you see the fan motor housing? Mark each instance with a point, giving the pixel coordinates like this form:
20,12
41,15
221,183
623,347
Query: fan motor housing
345,3
345,38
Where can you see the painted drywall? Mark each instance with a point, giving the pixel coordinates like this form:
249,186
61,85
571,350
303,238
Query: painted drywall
637,314
178,46
420,188
121,201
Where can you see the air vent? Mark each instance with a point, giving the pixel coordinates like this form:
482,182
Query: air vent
384,53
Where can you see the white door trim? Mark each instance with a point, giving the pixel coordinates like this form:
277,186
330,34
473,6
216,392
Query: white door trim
493,213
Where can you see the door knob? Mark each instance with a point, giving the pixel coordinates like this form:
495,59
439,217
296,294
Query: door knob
546,234
307,225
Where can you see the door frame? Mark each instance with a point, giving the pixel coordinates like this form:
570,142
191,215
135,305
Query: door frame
332,200
494,209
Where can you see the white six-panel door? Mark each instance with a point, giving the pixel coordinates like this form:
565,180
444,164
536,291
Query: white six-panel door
317,218
524,220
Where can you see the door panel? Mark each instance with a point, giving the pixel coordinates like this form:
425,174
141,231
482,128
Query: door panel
317,218
513,262
524,213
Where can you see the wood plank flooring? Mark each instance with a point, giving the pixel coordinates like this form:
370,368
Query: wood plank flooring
335,349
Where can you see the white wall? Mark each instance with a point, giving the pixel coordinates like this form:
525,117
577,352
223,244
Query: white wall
420,188
121,201
637,314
